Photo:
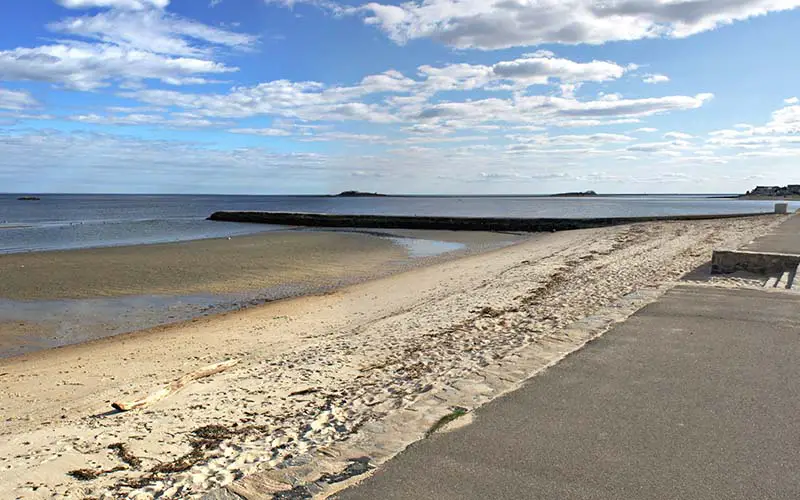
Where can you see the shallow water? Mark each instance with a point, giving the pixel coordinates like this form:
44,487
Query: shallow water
33,325
57,323
418,248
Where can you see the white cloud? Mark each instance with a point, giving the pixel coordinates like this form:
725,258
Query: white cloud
572,139
391,97
153,31
655,78
326,5
666,147
346,137
699,160
265,132
456,76
678,135
176,120
782,129
103,162
84,66
115,4
310,101
108,163
636,107
431,124
791,100
545,109
16,100
125,47
495,24
582,123
541,68
772,152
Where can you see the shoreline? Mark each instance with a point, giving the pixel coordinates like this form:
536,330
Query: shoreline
319,370
51,299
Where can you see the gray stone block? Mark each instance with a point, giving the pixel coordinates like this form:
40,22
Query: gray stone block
731,261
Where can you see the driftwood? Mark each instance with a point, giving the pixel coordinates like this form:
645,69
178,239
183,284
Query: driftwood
175,386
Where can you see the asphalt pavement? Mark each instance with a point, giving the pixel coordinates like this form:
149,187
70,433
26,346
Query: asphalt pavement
696,396
784,239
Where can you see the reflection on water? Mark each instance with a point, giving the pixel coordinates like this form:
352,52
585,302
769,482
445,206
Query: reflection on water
418,248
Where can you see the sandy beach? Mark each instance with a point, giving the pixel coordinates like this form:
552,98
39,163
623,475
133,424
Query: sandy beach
315,372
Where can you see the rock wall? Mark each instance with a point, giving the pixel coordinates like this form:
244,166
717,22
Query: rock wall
446,223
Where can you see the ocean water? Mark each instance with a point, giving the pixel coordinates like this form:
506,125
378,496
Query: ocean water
62,221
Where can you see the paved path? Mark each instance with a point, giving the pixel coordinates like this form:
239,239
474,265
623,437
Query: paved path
694,397
784,239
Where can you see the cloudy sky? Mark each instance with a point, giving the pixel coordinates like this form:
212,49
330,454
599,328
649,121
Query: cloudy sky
419,96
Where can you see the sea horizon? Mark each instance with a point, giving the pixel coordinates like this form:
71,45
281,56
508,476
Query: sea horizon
65,221
379,194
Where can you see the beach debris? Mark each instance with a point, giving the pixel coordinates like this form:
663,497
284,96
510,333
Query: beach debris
124,454
206,438
212,432
210,436
175,386
84,474
90,474
304,392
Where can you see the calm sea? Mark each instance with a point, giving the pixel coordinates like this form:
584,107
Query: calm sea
82,221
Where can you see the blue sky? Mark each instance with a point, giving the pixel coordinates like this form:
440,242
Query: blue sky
425,96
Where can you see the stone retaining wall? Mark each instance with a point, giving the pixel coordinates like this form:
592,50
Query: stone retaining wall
731,261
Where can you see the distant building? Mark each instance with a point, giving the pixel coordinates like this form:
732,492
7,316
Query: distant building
776,191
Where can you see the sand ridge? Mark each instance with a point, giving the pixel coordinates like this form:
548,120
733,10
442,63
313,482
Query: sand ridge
316,370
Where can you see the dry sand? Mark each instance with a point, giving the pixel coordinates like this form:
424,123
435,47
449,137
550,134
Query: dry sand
318,371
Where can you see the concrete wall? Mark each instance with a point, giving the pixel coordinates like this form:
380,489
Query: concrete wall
730,261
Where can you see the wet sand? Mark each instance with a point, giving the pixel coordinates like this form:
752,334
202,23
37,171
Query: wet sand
204,266
50,299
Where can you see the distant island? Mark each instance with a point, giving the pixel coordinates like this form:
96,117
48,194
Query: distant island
575,194
362,194
357,194
28,198
792,191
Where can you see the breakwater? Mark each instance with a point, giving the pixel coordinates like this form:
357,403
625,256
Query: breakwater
448,223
